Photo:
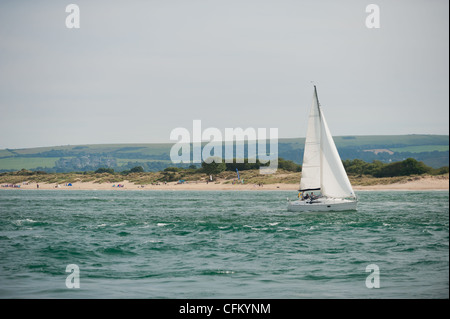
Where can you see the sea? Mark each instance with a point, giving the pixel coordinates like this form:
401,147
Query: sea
221,244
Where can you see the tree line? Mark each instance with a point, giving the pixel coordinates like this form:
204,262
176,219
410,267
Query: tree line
356,167
409,166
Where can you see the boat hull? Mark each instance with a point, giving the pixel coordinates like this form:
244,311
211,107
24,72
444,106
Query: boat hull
325,205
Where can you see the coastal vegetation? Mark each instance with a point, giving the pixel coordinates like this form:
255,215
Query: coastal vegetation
360,173
408,167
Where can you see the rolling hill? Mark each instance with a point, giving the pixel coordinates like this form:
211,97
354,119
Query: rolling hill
433,150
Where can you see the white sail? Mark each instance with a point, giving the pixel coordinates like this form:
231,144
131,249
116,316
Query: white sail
335,182
311,156
322,166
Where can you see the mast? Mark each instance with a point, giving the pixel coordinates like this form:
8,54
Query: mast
317,96
321,137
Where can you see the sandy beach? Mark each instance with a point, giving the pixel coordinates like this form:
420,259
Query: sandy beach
423,183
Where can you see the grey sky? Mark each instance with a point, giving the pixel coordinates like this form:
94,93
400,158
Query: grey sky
135,70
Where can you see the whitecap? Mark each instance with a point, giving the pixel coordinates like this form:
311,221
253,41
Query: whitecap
120,224
225,272
256,228
20,222
161,224
286,228
152,241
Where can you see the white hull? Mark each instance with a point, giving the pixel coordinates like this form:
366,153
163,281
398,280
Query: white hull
322,205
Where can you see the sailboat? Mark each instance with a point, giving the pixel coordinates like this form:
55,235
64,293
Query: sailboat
324,184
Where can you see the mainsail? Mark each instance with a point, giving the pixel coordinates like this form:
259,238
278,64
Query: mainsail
312,154
322,167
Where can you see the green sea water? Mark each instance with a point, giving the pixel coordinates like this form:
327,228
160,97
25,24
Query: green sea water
220,244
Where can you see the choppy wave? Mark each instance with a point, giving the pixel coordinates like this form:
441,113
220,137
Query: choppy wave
245,245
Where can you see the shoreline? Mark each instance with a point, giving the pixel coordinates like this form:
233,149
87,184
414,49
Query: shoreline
423,184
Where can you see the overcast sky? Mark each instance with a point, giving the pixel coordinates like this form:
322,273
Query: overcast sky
135,70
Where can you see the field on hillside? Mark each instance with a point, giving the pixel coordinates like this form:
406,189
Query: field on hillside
433,150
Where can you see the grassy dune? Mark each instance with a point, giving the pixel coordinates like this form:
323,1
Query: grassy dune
145,178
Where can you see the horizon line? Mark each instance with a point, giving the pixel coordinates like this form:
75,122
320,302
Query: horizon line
206,141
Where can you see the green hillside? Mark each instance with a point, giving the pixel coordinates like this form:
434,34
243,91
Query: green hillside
433,150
